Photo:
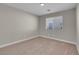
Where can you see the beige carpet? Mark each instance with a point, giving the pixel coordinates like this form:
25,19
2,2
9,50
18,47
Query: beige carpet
40,46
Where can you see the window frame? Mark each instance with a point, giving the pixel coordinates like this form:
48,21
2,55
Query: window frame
53,18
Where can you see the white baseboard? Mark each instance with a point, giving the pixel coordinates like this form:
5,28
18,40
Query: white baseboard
18,41
57,39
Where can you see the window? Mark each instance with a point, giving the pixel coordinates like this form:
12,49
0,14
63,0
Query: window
54,23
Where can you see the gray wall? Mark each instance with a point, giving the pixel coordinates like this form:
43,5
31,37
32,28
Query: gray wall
16,24
77,24
69,26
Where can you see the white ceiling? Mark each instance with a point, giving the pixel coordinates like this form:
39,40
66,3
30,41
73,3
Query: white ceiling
38,10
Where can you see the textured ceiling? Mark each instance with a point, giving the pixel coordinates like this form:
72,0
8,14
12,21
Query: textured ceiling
37,9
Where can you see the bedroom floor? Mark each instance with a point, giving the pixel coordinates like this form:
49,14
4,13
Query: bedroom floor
40,46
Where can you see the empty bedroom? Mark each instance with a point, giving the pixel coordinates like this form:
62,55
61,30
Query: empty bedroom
39,28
